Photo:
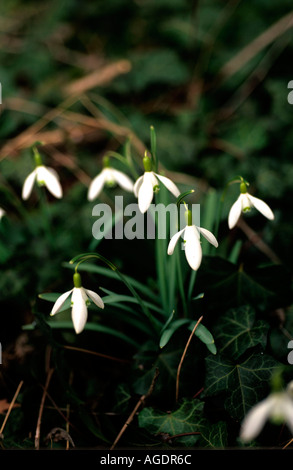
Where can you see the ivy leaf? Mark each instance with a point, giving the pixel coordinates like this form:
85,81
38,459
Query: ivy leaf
243,383
187,418
148,360
122,398
227,285
238,331
214,435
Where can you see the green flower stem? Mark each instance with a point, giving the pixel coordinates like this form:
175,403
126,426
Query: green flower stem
172,282
161,258
191,284
37,157
180,280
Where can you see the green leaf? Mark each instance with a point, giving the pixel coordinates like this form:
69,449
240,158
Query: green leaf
91,268
205,336
187,418
214,435
201,332
237,331
227,285
149,359
244,384
168,332
53,296
122,398
114,298
67,325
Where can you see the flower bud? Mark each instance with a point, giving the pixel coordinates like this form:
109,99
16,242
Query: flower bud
37,157
243,188
188,217
147,163
76,280
106,162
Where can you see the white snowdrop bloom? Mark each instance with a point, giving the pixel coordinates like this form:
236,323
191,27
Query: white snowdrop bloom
145,184
109,176
44,176
193,251
2,213
277,407
80,299
244,203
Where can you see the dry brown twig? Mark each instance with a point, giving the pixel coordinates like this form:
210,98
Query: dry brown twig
257,45
184,354
137,406
38,428
10,408
99,77
94,353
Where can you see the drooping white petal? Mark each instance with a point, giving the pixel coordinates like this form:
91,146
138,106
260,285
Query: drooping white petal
256,418
262,207
79,309
193,251
169,185
59,302
95,298
245,202
209,236
235,212
287,405
137,185
28,184
123,180
146,192
2,213
50,178
96,185
173,241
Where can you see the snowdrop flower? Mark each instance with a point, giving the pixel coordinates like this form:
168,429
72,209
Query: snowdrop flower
244,203
278,407
109,176
193,251
80,299
145,184
44,176
2,212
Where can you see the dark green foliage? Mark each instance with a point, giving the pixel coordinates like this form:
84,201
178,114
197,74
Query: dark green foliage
215,117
